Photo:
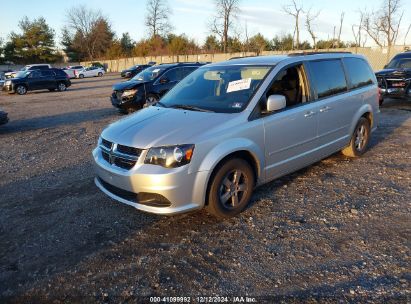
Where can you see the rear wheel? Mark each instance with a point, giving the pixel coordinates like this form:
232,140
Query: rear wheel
52,90
100,74
61,87
231,187
21,90
359,140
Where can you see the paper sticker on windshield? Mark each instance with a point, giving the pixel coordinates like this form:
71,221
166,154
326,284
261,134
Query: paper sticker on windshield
237,105
156,70
238,85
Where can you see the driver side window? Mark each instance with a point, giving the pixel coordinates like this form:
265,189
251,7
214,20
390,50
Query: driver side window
292,84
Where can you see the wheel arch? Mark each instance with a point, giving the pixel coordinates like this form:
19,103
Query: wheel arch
250,153
366,112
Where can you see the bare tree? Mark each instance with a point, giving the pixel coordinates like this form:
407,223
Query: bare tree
357,32
226,10
158,17
309,18
406,34
340,30
90,30
295,10
383,26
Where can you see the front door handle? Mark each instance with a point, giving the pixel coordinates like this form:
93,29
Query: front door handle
309,114
325,109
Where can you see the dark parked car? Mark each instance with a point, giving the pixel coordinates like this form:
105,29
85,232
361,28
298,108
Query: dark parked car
51,79
134,70
150,85
395,79
3,117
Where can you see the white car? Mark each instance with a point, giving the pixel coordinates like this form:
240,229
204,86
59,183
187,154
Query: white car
28,68
72,70
90,72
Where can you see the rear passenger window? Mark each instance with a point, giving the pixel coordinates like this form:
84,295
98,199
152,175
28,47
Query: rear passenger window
328,77
359,72
47,73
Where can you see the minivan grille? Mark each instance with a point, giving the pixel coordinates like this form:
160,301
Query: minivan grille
124,157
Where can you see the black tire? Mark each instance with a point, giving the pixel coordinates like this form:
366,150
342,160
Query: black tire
52,90
100,74
21,90
230,188
81,76
359,140
381,101
61,87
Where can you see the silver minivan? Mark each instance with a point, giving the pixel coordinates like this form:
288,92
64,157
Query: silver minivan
231,126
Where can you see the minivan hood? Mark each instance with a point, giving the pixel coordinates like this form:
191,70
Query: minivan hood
127,85
155,126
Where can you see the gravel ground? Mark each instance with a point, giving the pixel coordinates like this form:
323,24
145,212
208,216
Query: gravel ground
337,230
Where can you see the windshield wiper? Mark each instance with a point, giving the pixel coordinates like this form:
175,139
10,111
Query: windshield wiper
160,104
190,108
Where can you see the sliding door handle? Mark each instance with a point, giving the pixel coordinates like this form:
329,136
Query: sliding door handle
325,109
309,114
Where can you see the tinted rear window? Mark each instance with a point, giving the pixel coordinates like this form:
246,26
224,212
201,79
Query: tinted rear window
359,72
60,72
47,73
328,77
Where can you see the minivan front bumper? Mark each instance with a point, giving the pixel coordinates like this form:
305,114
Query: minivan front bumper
164,191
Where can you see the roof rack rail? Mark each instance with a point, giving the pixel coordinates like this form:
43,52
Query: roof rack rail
179,63
316,53
240,57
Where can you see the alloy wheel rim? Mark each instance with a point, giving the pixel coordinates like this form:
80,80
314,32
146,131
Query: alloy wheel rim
360,138
233,189
21,90
151,100
62,86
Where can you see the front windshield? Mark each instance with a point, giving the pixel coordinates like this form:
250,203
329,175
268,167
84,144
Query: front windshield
400,63
22,74
24,69
149,74
222,89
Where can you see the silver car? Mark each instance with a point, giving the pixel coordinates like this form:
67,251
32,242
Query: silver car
229,127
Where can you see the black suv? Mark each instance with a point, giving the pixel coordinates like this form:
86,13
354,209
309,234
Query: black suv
148,86
134,70
51,79
395,79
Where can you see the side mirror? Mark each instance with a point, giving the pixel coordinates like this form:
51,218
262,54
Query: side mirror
275,103
164,80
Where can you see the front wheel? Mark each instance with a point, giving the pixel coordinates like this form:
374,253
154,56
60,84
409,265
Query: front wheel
151,99
21,90
81,76
231,187
359,140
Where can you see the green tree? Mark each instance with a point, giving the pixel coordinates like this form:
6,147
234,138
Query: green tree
211,44
35,44
127,44
258,44
73,54
282,43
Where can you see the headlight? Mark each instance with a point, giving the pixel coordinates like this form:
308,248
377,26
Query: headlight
170,156
129,93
